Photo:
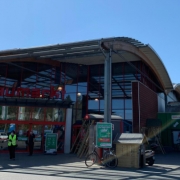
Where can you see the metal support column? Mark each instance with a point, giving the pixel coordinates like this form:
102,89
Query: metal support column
107,88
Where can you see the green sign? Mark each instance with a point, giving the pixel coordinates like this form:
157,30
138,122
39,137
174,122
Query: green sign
104,135
51,143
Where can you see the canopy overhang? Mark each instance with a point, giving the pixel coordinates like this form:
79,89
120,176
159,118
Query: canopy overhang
92,52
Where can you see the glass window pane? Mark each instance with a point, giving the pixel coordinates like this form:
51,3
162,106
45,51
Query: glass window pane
92,104
28,111
128,104
48,116
22,132
127,126
38,114
3,69
58,115
55,114
70,96
71,88
24,113
117,103
28,78
12,77
118,112
3,112
82,87
101,104
128,115
12,112
5,129
78,114
78,102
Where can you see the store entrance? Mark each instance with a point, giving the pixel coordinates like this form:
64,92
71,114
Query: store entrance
40,129
22,131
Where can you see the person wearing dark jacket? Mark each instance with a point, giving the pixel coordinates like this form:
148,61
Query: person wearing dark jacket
31,143
12,138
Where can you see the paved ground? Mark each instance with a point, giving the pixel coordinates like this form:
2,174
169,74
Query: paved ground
63,166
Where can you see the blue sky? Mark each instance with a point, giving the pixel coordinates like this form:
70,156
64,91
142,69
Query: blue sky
29,23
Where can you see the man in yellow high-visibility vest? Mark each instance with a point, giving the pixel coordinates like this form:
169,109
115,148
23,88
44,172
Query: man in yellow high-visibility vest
12,144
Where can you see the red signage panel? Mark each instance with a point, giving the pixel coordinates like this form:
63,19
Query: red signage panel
32,93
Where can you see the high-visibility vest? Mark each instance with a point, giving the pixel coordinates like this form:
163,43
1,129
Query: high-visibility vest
13,140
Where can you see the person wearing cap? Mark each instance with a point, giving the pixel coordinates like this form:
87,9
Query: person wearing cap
12,144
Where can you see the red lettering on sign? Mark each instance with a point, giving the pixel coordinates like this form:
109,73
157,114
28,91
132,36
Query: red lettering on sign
35,93
1,91
23,91
45,92
10,92
53,92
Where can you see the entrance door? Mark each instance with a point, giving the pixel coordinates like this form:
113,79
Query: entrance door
40,129
23,130
22,136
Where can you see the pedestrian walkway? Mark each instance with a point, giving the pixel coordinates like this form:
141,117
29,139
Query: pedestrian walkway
68,166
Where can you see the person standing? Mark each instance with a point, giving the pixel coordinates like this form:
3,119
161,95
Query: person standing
31,143
12,138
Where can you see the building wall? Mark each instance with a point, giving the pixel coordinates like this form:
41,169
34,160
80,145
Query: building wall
145,105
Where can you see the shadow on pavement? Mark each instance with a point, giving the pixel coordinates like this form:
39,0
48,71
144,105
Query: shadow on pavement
69,166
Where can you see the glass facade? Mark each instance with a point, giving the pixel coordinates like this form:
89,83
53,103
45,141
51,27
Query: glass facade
32,114
24,119
36,95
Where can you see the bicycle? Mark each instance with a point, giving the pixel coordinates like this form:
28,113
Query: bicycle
109,158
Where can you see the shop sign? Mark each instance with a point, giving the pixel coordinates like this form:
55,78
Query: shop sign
175,116
32,93
104,135
51,143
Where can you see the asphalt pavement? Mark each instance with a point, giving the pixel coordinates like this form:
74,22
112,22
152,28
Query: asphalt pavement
69,166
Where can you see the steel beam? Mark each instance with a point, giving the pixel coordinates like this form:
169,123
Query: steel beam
107,87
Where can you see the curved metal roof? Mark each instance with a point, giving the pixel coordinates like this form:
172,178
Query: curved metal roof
90,52
148,55
158,67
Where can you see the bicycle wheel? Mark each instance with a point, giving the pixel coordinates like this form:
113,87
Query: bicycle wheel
90,159
111,160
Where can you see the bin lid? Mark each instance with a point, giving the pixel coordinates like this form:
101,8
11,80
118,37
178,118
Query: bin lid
131,138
